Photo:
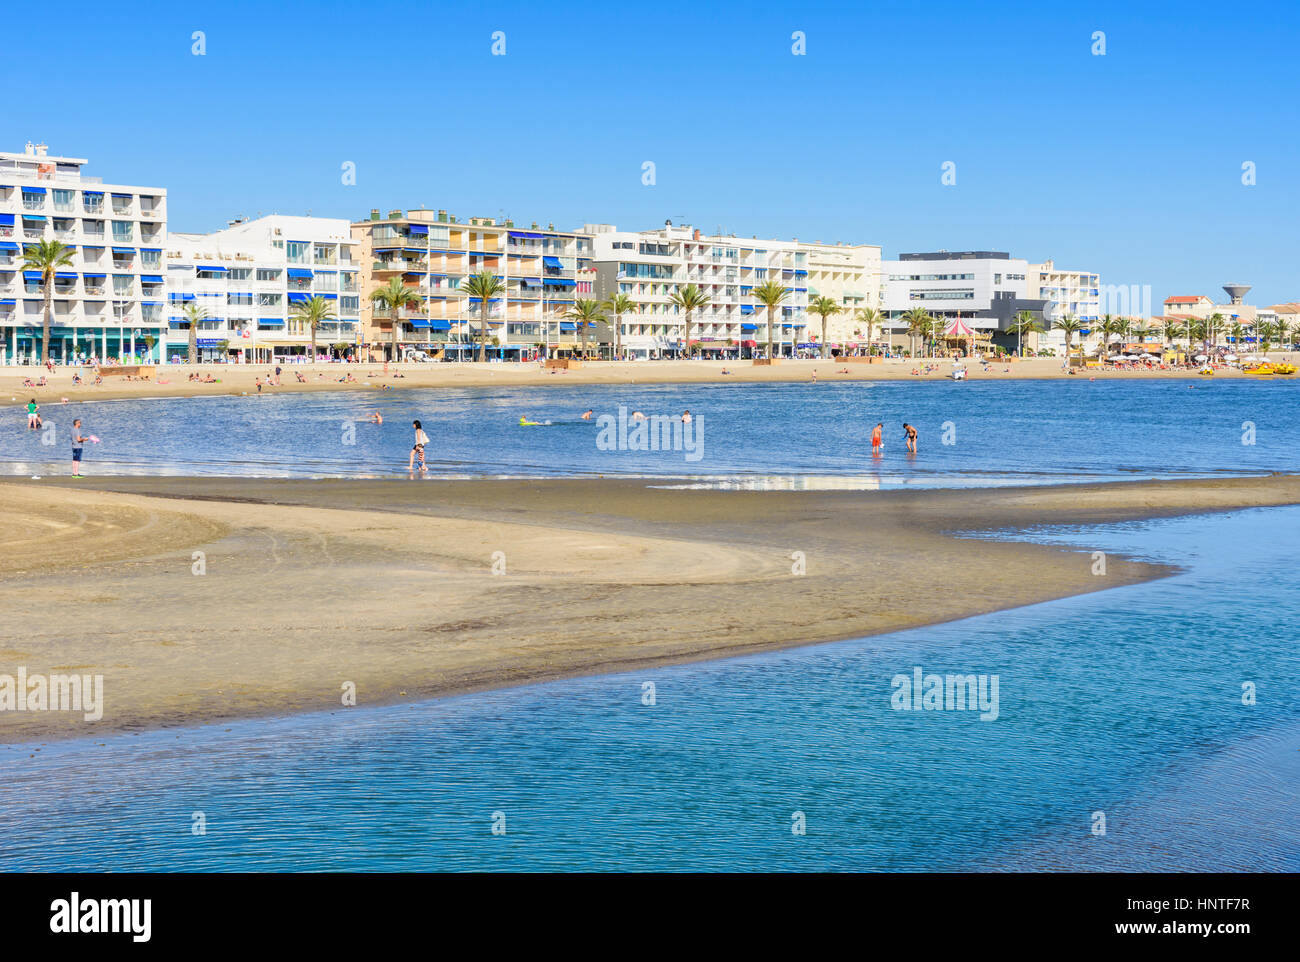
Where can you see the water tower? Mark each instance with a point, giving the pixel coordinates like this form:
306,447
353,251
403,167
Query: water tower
1236,292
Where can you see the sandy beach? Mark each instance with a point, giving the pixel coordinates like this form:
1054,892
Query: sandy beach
241,379
309,585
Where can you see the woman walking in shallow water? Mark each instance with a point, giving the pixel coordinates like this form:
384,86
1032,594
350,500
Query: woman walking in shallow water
417,449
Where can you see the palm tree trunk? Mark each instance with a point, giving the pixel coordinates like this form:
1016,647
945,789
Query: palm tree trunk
313,342
688,335
770,309
194,342
618,336
826,348
482,332
49,319
393,331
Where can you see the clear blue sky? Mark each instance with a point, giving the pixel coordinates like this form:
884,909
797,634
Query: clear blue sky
1128,163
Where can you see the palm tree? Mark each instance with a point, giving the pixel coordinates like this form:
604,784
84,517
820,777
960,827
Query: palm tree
1070,325
870,317
482,287
1024,324
1266,332
918,322
1283,328
1238,333
825,306
47,257
313,312
585,312
770,294
1213,325
394,296
618,305
689,299
1110,326
1171,329
194,314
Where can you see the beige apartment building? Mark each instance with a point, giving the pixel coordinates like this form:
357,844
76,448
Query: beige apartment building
433,253
850,275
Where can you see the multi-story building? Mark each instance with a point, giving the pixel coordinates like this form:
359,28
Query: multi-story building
650,266
109,301
545,271
249,277
851,276
987,290
1074,293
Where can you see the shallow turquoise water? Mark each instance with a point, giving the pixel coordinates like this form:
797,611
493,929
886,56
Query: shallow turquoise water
1126,702
808,435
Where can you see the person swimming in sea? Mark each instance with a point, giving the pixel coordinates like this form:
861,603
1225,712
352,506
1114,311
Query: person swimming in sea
587,416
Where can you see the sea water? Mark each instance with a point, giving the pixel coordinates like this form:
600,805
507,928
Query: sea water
750,435
1146,727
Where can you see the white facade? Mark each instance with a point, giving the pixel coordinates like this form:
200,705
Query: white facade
109,301
248,278
649,266
966,284
1075,293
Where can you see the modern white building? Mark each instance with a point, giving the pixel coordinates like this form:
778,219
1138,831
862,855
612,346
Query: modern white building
249,277
650,266
109,301
987,290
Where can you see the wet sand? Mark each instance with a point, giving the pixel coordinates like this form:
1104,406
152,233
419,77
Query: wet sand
390,585
172,381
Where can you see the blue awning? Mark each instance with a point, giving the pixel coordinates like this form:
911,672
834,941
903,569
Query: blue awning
419,322
127,196
8,246
526,233
421,230
568,326
7,302
173,296
439,325
65,275
749,327
298,297
329,297
211,268
559,281
150,250
553,262
92,193
34,217
123,250
278,321
150,279
326,272
7,220
298,272
31,275
747,308
93,276
33,190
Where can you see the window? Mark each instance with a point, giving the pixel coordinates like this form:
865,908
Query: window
268,274
296,251
240,273
123,230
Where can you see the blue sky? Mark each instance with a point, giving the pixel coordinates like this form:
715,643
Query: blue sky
1129,163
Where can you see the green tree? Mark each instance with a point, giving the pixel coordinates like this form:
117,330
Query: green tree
618,305
392,297
918,322
313,312
585,312
870,318
770,294
1069,326
483,287
689,299
1024,324
47,257
194,314
824,306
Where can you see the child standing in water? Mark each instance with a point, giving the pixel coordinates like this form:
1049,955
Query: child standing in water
417,449
877,438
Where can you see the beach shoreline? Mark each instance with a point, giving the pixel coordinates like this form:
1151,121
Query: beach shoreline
240,379
310,586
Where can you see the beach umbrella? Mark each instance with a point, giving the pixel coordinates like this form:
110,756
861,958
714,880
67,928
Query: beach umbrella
1202,357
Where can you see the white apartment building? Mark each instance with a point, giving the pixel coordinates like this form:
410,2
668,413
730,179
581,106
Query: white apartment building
248,278
851,276
109,301
649,266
